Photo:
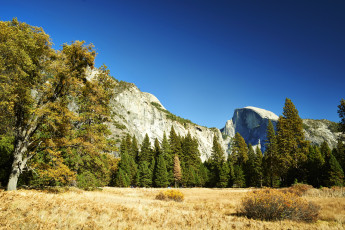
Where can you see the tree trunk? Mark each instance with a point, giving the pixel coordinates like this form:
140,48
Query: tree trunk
13,180
17,165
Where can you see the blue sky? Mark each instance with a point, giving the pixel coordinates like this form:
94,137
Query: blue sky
203,59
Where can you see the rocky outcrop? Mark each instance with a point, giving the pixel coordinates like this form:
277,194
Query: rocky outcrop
318,131
251,123
139,113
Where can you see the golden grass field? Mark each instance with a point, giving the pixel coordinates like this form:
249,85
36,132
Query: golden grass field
137,208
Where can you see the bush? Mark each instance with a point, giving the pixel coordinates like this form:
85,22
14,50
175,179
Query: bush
270,204
298,189
172,194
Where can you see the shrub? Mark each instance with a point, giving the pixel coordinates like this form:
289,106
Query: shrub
270,204
172,194
298,189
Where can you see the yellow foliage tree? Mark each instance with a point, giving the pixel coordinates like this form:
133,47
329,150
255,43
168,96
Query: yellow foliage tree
47,103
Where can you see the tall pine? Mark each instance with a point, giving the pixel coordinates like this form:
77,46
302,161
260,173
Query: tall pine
271,158
161,177
292,146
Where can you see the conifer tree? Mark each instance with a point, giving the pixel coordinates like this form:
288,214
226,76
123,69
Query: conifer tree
203,175
249,167
133,170
175,144
190,151
134,149
231,172
239,150
341,112
157,149
169,158
177,170
340,153
325,150
161,177
239,177
223,176
258,170
145,175
123,176
292,146
123,146
271,158
186,174
152,169
121,179
315,164
335,174
146,153
216,161
128,141
217,157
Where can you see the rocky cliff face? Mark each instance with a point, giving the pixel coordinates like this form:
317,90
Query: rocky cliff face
251,123
318,131
138,113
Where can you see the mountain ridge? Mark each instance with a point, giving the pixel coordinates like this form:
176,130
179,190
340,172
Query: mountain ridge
136,113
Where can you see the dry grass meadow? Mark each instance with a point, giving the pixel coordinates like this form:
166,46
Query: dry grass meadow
137,208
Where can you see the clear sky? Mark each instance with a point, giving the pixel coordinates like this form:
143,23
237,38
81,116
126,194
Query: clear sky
203,59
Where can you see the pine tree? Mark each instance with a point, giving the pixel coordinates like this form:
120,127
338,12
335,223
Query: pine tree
133,167
203,175
122,179
190,151
239,178
175,144
152,169
217,157
314,166
292,146
231,172
271,158
169,158
146,153
216,161
341,112
186,175
340,153
335,174
161,177
134,149
258,170
223,176
249,167
239,150
145,175
177,170
128,141
157,149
